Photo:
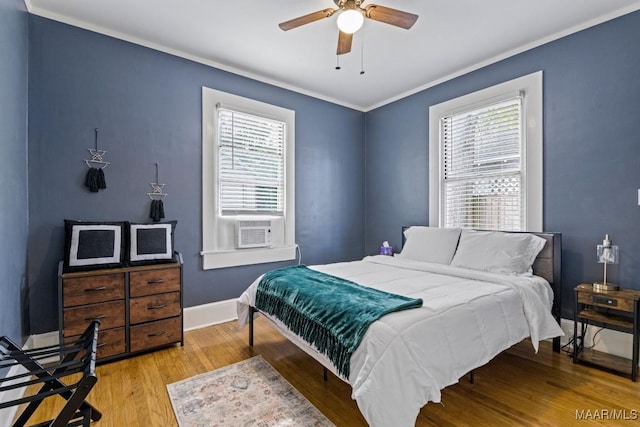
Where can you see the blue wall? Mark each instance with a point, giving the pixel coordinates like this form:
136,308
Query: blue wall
591,149
14,39
147,107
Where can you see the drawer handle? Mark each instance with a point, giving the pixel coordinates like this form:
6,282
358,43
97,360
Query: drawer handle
102,316
101,345
99,288
156,334
156,307
155,281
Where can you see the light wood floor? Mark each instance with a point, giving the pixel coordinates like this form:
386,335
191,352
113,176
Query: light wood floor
518,387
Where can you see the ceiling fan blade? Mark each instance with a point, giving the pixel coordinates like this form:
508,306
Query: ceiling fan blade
306,19
344,43
391,16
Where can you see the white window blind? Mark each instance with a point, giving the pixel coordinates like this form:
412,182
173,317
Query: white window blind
250,163
482,173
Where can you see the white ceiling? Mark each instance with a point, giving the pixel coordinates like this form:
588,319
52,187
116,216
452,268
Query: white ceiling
450,37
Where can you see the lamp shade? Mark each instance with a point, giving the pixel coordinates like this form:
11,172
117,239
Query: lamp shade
607,254
350,21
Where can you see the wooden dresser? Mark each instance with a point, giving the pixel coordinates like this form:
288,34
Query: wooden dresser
139,308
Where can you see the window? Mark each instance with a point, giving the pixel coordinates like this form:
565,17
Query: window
248,172
250,163
482,170
486,158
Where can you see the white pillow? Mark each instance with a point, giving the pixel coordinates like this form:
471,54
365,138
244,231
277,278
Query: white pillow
497,252
430,244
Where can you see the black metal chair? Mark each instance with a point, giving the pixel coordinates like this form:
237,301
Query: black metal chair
73,358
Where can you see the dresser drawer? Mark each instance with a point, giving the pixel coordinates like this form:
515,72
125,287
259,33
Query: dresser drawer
156,333
93,289
142,283
154,307
110,314
110,342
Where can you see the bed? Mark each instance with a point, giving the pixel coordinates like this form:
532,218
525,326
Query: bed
478,299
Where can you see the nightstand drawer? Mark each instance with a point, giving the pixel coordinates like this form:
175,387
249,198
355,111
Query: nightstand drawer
152,282
155,334
93,289
154,307
110,315
601,299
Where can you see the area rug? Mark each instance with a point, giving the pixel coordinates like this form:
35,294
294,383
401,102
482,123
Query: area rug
247,393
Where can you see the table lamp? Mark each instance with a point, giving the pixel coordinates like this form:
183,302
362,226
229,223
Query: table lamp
607,254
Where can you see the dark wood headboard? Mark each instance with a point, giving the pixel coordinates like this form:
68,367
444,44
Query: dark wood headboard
548,265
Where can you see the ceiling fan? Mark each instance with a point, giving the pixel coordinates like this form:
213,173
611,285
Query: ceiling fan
351,17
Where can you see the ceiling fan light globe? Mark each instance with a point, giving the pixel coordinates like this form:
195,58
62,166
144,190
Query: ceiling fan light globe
350,21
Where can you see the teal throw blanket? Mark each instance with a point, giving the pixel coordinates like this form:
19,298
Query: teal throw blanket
331,313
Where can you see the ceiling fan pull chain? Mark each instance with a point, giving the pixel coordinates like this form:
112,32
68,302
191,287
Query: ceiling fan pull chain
362,51
337,62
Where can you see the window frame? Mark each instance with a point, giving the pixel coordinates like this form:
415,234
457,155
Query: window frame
532,152
218,244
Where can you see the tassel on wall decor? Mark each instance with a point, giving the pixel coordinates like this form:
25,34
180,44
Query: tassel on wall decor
94,180
157,195
157,210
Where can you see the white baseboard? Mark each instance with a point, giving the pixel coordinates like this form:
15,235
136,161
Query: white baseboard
201,316
7,414
46,339
204,315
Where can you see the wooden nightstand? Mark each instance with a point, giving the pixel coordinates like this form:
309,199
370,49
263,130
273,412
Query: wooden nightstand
618,310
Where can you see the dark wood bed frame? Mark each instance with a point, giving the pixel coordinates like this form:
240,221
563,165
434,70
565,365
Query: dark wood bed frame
548,265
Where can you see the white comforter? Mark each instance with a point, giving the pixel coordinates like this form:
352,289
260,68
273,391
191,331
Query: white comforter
406,358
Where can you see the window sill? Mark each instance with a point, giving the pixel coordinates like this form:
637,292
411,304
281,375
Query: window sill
234,258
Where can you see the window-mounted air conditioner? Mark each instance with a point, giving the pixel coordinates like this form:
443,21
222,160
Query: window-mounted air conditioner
253,234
